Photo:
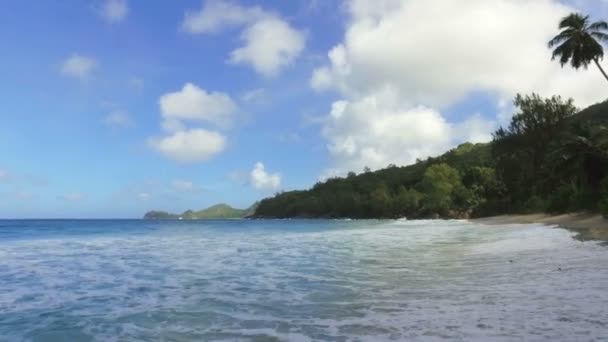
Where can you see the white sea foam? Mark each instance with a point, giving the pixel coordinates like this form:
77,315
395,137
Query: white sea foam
304,281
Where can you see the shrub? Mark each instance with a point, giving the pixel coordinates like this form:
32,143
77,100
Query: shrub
533,205
561,200
584,199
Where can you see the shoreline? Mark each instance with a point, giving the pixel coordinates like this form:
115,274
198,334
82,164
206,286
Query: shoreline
588,226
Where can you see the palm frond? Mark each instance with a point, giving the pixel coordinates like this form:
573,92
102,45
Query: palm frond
574,20
564,52
560,38
598,26
601,36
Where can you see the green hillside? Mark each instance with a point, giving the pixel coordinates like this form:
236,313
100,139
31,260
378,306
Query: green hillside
597,113
389,193
550,158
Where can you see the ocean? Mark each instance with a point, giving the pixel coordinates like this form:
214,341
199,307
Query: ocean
298,280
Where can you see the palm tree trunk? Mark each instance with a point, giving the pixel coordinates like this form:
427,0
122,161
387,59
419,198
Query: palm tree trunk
597,62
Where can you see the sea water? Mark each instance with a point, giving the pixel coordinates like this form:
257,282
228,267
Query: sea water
241,280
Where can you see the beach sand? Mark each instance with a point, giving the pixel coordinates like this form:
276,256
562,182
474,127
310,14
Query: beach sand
588,226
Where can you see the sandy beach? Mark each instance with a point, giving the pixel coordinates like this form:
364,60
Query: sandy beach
589,226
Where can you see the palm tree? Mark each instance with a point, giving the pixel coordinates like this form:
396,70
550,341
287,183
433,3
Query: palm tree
582,153
579,42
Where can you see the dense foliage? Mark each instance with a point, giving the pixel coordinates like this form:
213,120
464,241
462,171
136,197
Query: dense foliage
548,159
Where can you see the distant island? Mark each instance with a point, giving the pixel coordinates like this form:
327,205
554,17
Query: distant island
218,211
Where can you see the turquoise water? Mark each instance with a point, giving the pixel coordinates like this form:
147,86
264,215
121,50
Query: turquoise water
298,281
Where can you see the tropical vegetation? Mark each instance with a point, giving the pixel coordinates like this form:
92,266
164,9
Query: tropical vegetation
551,157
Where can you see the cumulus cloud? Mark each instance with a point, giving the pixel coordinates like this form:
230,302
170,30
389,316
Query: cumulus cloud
262,180
78,66
475,129
397,69
190,146
114,10
377,130
216,15
270,43
192,103
500,46
118,118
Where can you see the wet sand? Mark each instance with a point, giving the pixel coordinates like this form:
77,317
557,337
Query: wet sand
588,226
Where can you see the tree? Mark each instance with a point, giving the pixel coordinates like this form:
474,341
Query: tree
579,42
582,154
439,183
521,149
407,202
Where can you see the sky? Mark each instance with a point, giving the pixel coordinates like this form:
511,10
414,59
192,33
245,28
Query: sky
111,108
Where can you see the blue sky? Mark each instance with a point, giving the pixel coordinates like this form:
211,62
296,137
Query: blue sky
111,108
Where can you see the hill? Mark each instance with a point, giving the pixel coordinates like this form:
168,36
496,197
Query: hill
595,113
550,158
218,211
388,193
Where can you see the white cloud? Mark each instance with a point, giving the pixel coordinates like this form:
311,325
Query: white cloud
190,146
185,186
475,129
270,45
377,130
262,180
114,10
396,70
78,66
118,118
73,197
216,15
499,46
195,104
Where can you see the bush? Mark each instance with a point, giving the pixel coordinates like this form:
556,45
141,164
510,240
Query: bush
533,205
561,200
492,207
584,199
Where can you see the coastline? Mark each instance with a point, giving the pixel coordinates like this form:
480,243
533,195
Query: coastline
590,227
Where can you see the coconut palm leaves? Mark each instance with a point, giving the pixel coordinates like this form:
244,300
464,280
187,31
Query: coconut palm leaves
582,153
579,42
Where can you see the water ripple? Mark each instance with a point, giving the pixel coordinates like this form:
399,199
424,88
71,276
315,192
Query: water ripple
298,281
